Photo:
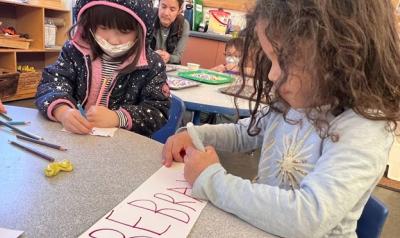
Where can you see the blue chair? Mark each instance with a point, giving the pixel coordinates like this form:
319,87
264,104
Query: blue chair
372,219
174,119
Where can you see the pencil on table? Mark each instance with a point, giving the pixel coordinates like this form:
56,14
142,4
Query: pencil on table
20,131
40,142
19,123
5,116
33,151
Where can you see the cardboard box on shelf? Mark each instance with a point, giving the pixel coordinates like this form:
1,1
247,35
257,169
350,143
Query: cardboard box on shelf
14,42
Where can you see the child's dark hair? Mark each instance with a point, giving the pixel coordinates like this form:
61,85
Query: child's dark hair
112,18
351,46
237,43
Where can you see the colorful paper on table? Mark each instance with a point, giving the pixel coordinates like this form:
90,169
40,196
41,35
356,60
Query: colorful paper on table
206,76
180,83
7,233
161,206
105,132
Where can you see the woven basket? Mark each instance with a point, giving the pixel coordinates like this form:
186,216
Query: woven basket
8,83
27,85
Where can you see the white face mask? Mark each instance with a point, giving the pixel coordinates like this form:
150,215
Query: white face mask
113,50
232,60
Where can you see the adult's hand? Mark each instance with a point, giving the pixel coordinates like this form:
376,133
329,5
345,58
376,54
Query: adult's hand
164,55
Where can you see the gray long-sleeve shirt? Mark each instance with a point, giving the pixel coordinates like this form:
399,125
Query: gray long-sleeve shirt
161,38
307,186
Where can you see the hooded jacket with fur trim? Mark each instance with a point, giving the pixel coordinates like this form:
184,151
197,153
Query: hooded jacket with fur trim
140,92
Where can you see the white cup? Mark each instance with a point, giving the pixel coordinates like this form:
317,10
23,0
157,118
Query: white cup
193,66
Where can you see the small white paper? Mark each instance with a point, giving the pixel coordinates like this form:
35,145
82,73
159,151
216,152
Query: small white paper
106,132
161,207
7,233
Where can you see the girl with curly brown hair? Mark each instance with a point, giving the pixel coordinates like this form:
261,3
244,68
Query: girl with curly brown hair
327,129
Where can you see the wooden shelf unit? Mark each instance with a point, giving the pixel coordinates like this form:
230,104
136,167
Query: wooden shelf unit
29,18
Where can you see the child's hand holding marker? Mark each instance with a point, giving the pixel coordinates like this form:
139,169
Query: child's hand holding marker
187,147
198,144
197,159
176,146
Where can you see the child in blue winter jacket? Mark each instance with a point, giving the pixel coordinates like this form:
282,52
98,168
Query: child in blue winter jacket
108,68
326,133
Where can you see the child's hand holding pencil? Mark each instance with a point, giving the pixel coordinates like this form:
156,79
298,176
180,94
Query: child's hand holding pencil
100,116
72,120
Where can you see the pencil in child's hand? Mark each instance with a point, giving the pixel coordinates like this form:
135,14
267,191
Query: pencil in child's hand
33,151
40,142
80,108
20,131
5,116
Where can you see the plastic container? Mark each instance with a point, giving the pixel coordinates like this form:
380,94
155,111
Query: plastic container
193,66
50,31
218,22
188,14
198,14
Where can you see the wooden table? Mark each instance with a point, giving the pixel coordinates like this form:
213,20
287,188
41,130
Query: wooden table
106,171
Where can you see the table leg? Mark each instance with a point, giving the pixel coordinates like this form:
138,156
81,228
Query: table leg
196,117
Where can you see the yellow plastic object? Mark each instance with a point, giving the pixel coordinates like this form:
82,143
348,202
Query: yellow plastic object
26,68
54,168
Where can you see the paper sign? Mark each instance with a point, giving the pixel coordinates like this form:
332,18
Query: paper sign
7,233
161,207
106,132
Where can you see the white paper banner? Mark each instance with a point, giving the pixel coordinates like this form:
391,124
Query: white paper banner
7,233
161,207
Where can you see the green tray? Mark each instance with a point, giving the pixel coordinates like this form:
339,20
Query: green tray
206,76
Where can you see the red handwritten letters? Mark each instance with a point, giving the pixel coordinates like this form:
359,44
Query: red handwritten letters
161,207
